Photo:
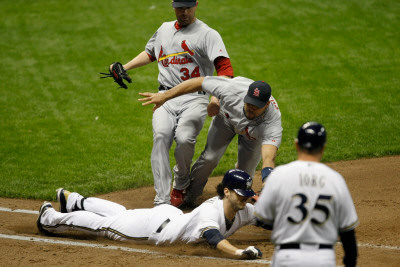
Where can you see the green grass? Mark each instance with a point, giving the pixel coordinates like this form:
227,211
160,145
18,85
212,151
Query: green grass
337,62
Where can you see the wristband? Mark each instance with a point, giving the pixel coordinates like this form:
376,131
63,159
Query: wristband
239,252
265,172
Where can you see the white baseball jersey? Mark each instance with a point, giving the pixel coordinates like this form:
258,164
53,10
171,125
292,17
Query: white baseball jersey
185,53
161,224
190,227
307,202
231,93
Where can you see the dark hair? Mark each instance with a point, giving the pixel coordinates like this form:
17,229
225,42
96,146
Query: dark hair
220,191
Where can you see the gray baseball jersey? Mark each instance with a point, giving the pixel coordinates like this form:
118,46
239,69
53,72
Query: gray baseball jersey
307,203
185,53
181,54
231,120
161,224
231,93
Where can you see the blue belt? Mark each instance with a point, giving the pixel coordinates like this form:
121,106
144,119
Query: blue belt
165,88
297,246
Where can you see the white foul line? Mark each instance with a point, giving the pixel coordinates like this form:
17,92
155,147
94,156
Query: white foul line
82,244
19,211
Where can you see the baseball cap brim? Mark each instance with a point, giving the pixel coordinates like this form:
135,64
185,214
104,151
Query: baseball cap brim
183,4
255,102
244,193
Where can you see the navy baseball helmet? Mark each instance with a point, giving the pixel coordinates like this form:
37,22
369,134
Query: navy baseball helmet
311,136
238,181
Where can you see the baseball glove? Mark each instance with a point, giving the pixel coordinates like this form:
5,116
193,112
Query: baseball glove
119,74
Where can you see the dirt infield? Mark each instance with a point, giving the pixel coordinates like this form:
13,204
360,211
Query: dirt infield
374,185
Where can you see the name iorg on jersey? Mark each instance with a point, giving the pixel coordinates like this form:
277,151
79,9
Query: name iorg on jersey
176,61
311,180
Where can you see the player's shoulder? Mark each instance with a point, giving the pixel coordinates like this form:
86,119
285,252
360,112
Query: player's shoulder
280,172
211,206
242,79
211,201
205,29
303,165
168,24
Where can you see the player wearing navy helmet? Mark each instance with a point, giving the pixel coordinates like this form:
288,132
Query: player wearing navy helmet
307,205
213,221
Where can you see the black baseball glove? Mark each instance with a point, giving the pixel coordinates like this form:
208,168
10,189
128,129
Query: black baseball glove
118,73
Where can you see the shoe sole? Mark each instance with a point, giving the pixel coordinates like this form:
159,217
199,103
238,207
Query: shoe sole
62,200
43,208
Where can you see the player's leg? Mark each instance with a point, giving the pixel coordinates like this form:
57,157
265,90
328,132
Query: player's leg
103,207
249,154
129,225
164,123
219,136
190,123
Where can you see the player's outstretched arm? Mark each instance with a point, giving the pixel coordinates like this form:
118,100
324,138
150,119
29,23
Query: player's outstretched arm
138,61
216,240
159,99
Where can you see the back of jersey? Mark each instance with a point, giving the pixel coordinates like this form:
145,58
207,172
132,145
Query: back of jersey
306,202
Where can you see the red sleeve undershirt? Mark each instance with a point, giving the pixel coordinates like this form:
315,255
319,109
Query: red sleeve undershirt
151,57
223,66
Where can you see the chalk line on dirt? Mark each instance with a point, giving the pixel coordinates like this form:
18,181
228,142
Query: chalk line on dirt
144,251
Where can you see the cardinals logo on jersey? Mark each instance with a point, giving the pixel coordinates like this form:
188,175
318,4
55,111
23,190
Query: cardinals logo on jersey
246,133
174,59
186,48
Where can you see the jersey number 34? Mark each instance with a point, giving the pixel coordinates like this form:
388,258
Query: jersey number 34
319,206
186,75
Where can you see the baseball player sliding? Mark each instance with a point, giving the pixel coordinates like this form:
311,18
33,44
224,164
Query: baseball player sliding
213,221
247,109
307,204
184,49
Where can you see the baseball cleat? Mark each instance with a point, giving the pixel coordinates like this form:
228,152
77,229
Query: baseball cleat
62,196
177,197
43,208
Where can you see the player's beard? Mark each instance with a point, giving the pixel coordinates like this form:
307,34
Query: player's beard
185,20
250,115
237,204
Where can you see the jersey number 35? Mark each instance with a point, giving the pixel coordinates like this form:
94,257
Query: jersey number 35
319,206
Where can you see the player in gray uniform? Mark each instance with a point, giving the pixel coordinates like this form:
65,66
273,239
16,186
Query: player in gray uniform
307,204
184,49
213,221
247,109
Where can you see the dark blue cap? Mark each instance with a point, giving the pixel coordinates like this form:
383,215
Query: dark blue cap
238,181
184,3
311,136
